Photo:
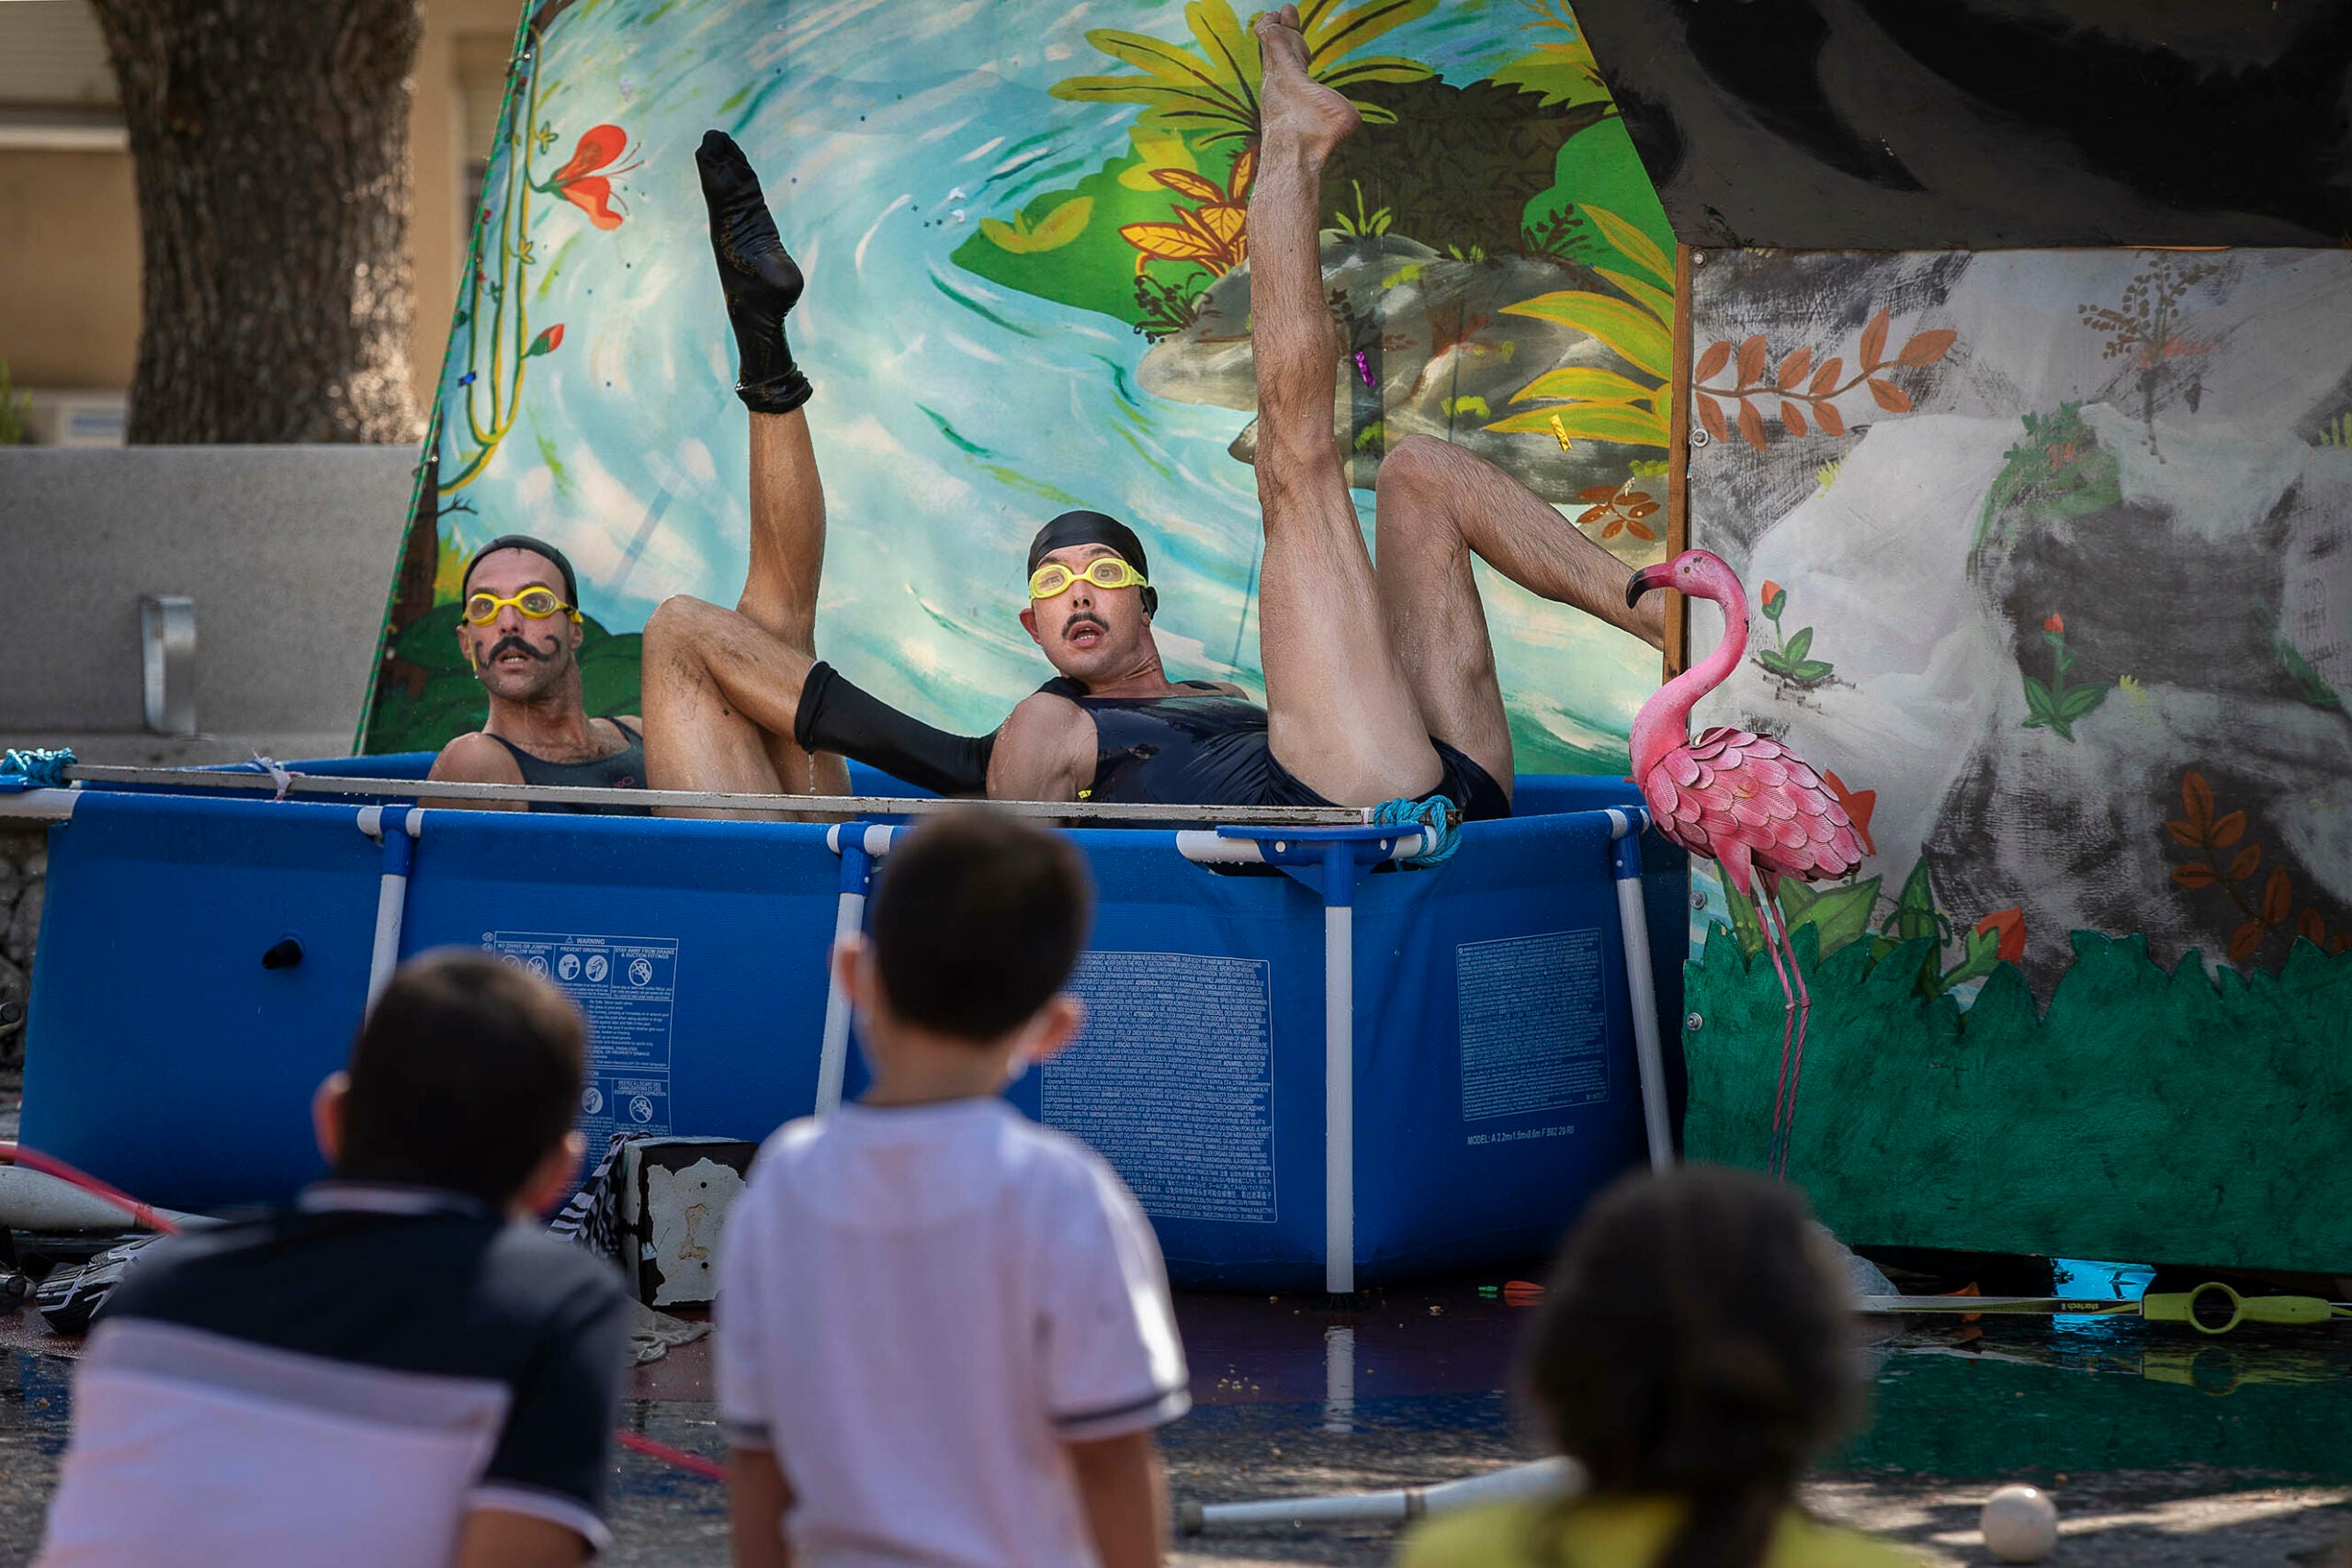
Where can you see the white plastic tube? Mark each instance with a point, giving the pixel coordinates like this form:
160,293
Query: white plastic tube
1555,1477
36,1200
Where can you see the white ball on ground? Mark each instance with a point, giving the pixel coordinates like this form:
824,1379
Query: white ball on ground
2021,1524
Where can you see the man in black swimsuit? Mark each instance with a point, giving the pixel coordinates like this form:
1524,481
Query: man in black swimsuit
521,633
1380,683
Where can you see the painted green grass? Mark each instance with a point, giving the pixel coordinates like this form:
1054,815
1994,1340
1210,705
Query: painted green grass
2151,1116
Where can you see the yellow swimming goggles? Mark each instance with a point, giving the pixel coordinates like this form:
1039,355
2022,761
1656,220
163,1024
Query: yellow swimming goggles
537,604
1103,571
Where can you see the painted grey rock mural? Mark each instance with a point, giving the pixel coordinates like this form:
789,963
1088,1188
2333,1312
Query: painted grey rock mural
2061,587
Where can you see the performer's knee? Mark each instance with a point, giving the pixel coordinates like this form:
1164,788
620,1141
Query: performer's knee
1417,467
677,628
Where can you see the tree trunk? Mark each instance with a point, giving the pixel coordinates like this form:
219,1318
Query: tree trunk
271,143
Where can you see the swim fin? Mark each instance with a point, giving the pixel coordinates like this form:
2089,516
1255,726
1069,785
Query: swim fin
761,282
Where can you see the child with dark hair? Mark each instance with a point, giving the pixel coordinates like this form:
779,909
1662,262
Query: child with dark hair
943,1330
397,1372
1694,1355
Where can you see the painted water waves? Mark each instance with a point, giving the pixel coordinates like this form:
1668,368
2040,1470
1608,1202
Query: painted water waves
1023,227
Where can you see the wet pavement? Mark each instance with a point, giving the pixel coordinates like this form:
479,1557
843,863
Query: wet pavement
2161,1447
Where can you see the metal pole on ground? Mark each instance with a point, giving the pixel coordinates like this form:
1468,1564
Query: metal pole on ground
1625,829
859,844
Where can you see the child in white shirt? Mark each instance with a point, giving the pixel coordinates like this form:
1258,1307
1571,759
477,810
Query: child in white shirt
943,1330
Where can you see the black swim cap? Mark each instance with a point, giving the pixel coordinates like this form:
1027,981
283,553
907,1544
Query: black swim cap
1094,528
538,547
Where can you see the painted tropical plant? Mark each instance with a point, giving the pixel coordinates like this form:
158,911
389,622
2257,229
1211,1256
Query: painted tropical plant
2228,859
1997,938
1802,393
2058,472
489,393
2058,704
1560,67
1791,655
1212,91
1213,236
1589,402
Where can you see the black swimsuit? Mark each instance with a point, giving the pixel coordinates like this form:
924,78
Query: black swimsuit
625,769
1205,746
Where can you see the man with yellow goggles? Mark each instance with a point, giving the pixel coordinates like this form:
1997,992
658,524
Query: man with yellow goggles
537,604
1053,580
520,629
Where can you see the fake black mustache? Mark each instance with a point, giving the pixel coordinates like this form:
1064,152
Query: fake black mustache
522,646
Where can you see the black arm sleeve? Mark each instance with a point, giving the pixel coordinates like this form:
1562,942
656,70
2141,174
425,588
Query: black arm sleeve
834,715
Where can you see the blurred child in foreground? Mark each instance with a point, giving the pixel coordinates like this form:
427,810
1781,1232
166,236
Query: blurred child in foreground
402,1371
1694,1355
943,1330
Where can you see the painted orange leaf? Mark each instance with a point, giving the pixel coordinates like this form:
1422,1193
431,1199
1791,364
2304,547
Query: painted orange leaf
2229,830
1751,360
1751,425
1860,804
1792,417
2242,864
1832,422
2196,874
1826,377
2278,895
1794,368
2244,941
1718,354
2309,925
2198,795
1598,492
1875,341
1710,414
1891,398
1926,348
2186,832
1189,183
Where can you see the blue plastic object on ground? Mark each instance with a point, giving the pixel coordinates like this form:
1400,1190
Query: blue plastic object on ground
1492,1086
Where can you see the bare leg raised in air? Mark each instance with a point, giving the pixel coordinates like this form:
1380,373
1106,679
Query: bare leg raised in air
1364,665
721,685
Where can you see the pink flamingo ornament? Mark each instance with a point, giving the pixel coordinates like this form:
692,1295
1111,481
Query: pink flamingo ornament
1742,800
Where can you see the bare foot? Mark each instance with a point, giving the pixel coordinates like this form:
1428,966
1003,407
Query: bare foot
1293,108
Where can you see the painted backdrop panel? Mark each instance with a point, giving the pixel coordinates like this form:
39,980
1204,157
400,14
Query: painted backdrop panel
2049,559
1028,291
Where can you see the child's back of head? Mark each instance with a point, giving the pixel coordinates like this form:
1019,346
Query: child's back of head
465,1076
1695,1344
978,920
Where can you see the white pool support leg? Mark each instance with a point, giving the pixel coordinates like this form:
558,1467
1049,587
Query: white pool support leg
1328,860
397,830
1542,1480
1625,829
859,844
1339,1098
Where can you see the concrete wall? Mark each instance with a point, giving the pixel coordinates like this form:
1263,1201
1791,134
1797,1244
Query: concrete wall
287,552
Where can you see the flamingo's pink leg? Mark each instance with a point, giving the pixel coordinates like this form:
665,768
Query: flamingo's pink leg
1797,1068
1765,911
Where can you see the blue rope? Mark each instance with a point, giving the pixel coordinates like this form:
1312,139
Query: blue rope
1437,813
34,768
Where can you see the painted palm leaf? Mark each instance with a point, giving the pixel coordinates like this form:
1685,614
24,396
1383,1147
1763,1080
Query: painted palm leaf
1588,422
1633,331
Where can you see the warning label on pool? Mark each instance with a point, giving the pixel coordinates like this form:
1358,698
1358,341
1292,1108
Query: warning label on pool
1173,1081
626,985
1533,1034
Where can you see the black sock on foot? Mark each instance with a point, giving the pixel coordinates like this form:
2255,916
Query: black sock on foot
760,281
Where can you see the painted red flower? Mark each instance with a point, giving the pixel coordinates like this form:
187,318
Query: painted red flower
1772,596
2010,924
586,180
2054,622
1859,805
547,342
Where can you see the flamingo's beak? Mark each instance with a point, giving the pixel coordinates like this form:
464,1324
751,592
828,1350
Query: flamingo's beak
1641,581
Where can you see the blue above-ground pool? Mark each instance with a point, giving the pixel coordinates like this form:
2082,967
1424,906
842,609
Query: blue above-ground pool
1443,1094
